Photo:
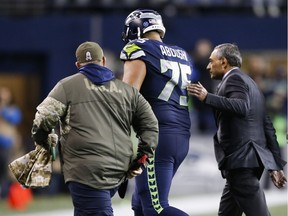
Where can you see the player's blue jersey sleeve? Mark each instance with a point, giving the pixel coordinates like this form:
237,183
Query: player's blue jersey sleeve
168,72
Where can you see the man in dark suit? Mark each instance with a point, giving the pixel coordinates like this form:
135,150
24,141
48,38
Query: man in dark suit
245,142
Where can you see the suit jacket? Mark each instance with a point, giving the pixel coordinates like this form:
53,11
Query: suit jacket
245,135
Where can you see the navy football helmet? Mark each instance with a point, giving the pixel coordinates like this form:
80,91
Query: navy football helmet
141,21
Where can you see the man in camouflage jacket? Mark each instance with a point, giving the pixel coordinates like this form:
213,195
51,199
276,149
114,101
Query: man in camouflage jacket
96,112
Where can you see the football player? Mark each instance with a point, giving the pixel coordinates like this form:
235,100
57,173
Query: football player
161,73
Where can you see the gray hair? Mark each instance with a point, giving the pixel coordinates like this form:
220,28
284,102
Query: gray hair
230,52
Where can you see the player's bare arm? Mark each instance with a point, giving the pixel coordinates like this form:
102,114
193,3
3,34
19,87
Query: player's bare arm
134,73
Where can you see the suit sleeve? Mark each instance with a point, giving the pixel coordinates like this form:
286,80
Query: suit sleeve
145,125
272,143
236,97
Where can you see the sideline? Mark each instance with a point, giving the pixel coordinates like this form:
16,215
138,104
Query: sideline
195,205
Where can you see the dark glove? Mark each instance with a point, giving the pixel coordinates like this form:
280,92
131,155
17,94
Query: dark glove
138,162
122,189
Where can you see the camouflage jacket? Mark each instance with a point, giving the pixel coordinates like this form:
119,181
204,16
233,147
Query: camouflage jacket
95,128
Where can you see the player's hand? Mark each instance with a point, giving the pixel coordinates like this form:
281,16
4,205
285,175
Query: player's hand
197,90
134,173
278,178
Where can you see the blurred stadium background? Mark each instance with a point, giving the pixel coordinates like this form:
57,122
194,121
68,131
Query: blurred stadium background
37,43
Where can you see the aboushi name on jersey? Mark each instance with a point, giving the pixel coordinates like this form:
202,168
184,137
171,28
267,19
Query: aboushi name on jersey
169,70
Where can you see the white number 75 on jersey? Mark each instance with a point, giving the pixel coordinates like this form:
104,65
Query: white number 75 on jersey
178,70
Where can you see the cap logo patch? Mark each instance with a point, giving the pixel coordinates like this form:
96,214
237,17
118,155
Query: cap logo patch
88,56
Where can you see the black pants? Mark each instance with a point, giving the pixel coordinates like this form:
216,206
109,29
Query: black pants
88,201
243,193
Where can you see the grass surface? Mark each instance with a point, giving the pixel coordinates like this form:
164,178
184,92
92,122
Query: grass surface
39,203
44,204
275,211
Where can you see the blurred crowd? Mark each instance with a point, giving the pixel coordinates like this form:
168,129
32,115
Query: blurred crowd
272,80
260,8
10,138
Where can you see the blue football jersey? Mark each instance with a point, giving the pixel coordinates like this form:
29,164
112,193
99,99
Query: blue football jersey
168,71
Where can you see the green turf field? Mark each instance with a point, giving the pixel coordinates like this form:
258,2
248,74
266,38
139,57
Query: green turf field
275,211
39,203
44,203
